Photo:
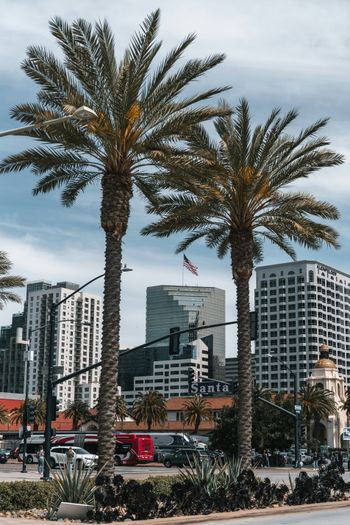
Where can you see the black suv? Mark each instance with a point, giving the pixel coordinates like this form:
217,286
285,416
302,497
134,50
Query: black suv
183,456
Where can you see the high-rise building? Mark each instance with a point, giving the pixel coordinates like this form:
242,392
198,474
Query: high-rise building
301,306
77,340
189,307
11,357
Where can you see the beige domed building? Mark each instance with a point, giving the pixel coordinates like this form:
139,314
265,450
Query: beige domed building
325,374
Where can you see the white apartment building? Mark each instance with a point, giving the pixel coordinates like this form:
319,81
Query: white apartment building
77,340
301,306
170,376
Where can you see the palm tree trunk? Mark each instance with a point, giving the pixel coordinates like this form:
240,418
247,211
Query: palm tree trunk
114,219
197,424
242,267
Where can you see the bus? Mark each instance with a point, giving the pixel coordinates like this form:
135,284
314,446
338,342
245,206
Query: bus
130,449
168,441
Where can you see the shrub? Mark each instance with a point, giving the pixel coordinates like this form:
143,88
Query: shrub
162,484
328,485
24,495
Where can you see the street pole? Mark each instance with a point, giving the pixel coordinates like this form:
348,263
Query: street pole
297,409
48,412
296,422
25,411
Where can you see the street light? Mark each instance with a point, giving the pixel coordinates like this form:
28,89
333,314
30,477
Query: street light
83,114
297,409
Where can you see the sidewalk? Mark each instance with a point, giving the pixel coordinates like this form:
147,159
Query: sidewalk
217,517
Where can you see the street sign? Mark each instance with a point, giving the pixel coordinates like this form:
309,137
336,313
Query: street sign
210,387
297,409
346,434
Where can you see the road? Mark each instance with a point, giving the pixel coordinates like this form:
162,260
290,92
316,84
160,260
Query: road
11,471
322,517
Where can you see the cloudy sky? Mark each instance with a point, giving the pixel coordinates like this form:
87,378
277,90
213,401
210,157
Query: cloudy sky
288,54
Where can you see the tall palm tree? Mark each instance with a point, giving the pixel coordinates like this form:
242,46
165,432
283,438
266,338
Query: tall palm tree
143,118
8,281
78,411
149,408
197,409
16,414
4,416
244,199
317,403
121,410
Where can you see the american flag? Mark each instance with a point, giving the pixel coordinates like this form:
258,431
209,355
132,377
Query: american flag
190,266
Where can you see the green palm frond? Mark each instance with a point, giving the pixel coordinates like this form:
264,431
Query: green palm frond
7,282
243,187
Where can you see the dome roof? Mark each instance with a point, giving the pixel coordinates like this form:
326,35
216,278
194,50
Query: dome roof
325,361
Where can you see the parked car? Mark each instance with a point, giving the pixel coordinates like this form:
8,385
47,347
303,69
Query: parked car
183,456
58,456
3,457
5,451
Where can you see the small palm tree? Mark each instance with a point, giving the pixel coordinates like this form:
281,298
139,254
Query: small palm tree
77,411
317,404
346,404
143,119
149,408
197,409
8,281
4,416
16,414
241,198
121,410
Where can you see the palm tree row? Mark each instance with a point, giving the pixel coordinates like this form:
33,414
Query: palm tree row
233,190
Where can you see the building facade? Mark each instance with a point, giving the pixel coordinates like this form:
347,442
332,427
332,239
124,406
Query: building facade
11,357
189,307
301,305
77,341
329,432
168,376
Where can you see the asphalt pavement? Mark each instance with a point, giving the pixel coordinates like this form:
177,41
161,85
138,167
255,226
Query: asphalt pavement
11,471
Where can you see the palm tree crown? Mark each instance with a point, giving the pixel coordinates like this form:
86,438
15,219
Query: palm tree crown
240,197
4,416
197,409
142,120
149,408
8,281
78,411
121,410
16,414
317,402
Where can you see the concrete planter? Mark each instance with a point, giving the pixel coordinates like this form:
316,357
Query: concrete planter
74,511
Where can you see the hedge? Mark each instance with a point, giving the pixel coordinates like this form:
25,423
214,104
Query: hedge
24,495
27,495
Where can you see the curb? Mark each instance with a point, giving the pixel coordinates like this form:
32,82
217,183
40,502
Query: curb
252,513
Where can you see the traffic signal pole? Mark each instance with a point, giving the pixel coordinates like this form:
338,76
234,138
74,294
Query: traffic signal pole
49,394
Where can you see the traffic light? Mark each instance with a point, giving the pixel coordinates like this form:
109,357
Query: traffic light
31,413
174,341
191,376
55,408
302,433
254,325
